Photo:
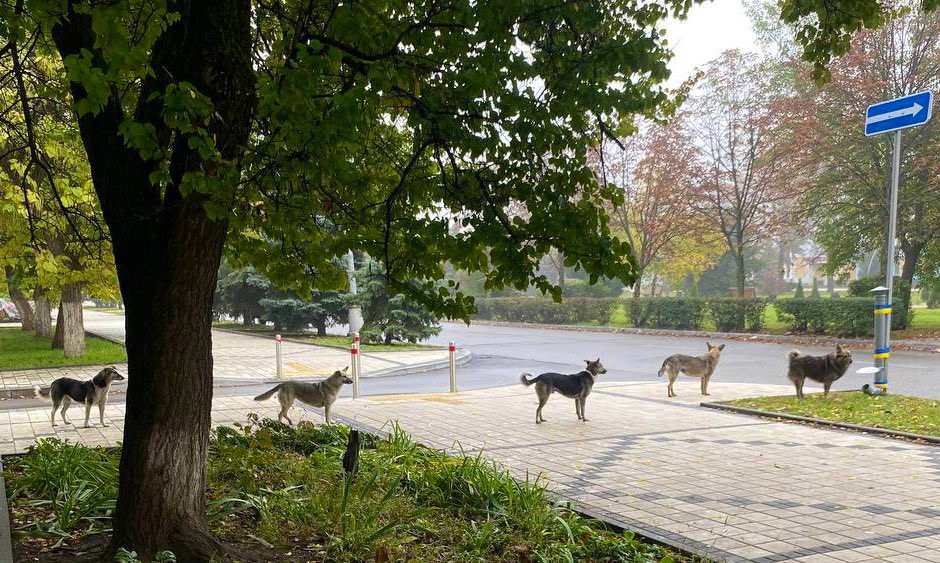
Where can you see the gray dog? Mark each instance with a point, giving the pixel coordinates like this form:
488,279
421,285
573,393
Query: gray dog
575,386
694,366
321,394
821,369
92,392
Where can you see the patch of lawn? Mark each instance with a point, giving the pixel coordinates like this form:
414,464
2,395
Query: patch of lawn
111,310
284,488
345,341
23,350
235,325
926,319
895,412
329,340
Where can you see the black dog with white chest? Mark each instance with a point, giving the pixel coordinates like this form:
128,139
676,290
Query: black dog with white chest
92,392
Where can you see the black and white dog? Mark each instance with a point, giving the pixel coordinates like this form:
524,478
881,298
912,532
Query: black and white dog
92,392
575,386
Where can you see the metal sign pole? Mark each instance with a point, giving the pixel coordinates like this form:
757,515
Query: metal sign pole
891,116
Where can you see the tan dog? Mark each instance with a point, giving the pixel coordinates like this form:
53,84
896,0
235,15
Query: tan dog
694,366
321,394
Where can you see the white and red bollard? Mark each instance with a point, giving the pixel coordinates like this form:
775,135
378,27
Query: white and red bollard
277,353
452,353
355,364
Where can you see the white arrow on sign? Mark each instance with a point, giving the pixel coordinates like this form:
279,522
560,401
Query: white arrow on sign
913,110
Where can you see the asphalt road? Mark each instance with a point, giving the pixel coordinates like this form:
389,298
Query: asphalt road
501,353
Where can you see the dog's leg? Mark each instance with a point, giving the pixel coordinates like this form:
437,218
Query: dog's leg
55,407
826,387
101,405
87,413
66,402
542,393
286,403
577,407
583,416
673,375
705,384
326,414
798,383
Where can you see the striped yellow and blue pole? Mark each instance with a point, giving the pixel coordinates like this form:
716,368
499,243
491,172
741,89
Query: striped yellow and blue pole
882,337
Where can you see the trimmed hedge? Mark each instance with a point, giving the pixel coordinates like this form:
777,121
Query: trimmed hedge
849,316
738,315
546,311
674,313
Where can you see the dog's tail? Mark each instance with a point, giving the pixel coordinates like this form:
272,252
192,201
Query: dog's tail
794,354
662,370
527,379
42,393
268,394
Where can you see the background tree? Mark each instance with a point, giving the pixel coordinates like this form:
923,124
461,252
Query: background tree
739,134
848,205
389,317
657,172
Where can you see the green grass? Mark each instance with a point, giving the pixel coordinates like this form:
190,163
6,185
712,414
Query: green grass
285,487
895,412
344,341
926,319
333,341
111,310
23,350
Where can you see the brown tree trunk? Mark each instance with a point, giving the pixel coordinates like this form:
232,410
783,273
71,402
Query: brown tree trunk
560,265
43,313
321,327
167,252
739,269
71,319
911,254
27,317
58,339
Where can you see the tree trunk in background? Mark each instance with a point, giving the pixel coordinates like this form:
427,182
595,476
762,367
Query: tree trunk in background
560,268
911,253
831,285
247,317
72,321
58,339
27,317
739,267
638,285
43,313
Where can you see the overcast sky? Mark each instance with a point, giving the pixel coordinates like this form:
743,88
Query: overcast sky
710,29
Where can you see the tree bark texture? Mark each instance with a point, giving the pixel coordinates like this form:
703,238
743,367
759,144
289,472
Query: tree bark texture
58,337
43,313
72,321
27,317
167,252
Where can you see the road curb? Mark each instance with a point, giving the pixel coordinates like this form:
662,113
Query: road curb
822,340
897,434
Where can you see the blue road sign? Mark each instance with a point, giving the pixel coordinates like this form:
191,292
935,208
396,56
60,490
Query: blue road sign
899,113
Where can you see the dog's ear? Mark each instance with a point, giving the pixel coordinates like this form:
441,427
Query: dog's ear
721,347
709,344
839,349
588,362
345,369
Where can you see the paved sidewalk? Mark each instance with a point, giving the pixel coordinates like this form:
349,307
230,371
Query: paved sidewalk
241,359
727,486
731,487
